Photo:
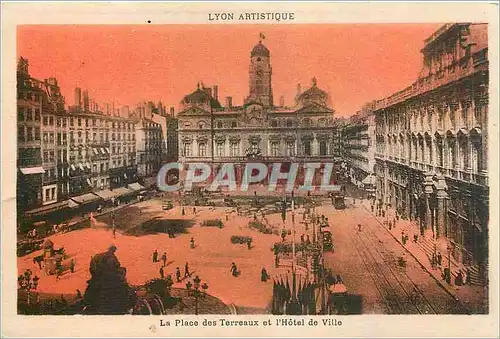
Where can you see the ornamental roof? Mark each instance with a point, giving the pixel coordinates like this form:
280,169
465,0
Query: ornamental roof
260,50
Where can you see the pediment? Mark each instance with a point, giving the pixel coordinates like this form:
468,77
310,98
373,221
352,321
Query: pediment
314,107
194,111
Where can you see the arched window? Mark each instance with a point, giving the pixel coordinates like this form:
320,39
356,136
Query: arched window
274,123
219,124
307,147
234,124
202,149
289,123
322,147
201,125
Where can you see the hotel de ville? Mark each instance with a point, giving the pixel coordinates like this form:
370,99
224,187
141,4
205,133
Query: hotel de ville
432,146
260,129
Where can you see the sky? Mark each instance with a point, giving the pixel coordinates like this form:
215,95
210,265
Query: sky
126,64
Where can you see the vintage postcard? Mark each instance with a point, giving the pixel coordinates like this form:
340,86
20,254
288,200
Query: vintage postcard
265,170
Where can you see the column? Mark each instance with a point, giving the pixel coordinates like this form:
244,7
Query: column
442,196
428,189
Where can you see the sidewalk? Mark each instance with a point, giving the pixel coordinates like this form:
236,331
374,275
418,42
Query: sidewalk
473,297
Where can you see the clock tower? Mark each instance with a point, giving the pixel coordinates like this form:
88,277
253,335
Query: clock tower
260,76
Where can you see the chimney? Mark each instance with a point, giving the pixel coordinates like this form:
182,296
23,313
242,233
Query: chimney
216,92
229,102
299,89
85,101
172,111
282,101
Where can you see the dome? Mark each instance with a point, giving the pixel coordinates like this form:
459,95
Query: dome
260,50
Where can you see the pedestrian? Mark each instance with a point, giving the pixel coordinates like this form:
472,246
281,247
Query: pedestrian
227,217
194,210
403,237
191,242
114,231
178,274
197,282
72,265
249,243
162,274
283,235
164,259
302,240
183,211
264,276
439,258
308,242
234,270
359,227
187,274
415,238
35,282
155,255
467,276
434,260
459,280
372,207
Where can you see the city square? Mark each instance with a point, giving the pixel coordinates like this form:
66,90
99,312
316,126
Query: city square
262,206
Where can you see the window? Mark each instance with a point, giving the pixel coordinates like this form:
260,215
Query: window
59,139
323,148
58,122
71,136
20,114
29,134
186,149
202,149
219,124
86,122
45,156
20,133
37,133
290,148
289,123
93,122
29,114
307,147
220,149
51,121
79,122
234,149
94,136
234,124
274,123
306,122
71,122
64,122
37,114
275,148
52,156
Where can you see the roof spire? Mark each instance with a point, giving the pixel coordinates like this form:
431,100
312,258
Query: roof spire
314,81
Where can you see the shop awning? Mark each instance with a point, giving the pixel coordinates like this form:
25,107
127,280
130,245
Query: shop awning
85,198
95,151
48,208
122,191
136,186
369,180
73,167
102,151
107,150
32,170
106,194
80,165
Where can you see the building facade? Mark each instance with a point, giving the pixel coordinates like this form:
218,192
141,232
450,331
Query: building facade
258,130
432,148
358,145
67,158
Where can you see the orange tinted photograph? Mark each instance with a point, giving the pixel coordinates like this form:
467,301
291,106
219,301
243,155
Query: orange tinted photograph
298,169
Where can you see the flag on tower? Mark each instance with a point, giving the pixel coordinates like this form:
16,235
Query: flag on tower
262,36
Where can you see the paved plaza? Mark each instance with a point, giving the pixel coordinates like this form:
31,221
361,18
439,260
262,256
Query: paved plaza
366,259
